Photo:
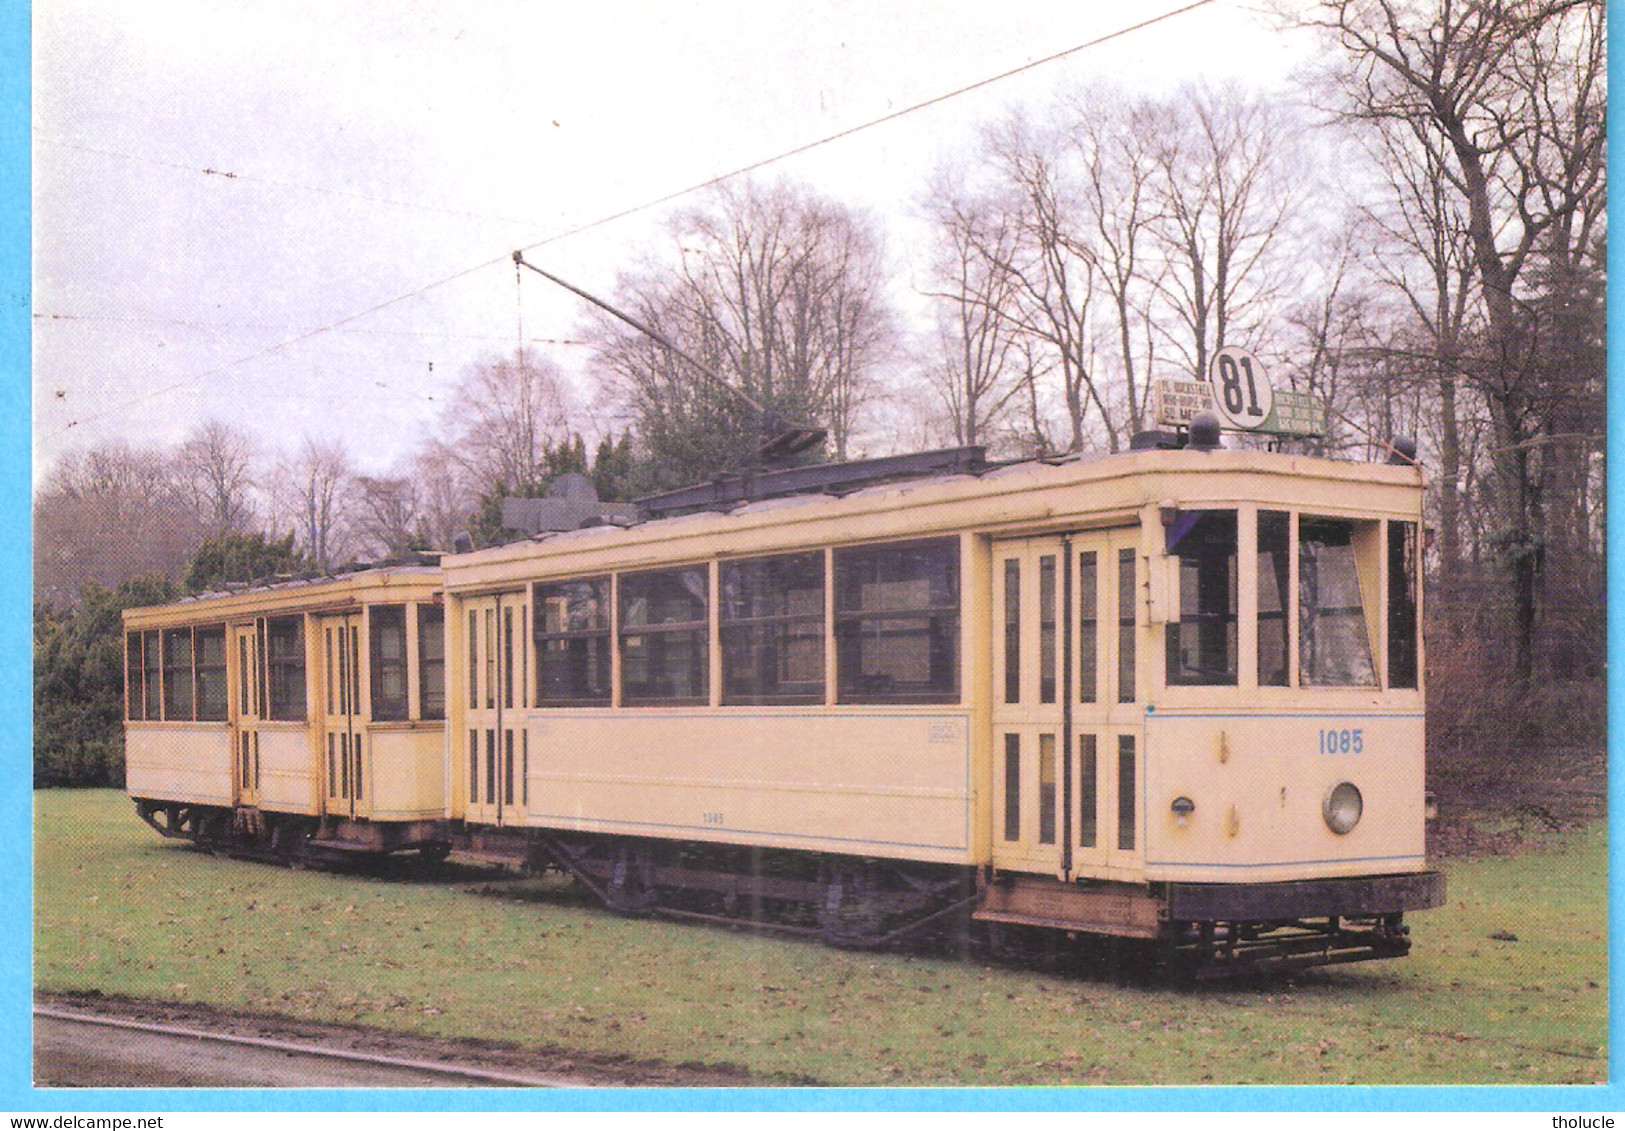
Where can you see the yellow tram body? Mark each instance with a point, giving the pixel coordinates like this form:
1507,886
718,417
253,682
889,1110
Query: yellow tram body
1071,809
320,699
1167,694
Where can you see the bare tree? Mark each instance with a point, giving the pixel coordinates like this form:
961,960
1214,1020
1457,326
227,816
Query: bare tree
501,419
1054,269
775,290
975,302
108,515
320,477
388,522
1222,197
1115,144
216,466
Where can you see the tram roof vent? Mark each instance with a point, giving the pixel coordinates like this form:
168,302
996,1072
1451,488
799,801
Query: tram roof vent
571,502
1204,432
1402,451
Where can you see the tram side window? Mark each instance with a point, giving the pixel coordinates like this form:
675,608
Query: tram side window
1202,637
178,673
285,668
209,673
1402,577
665,623
772,629
387,631
432,661
152,675
897,622
1334,648
572,642
141,680
1274,566
132,675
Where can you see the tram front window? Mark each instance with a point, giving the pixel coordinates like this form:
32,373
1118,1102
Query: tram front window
1334,648
1202,637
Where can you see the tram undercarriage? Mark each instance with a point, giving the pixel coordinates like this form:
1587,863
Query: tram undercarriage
289,838
1186,930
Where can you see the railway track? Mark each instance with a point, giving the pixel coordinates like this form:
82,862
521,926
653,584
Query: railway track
78,1048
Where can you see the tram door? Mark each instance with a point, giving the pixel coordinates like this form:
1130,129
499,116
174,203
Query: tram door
249,707
345,771
1067,727
495,746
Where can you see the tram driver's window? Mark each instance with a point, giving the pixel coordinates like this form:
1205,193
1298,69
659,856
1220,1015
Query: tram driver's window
1202,635
1335,569
897,622
1403,571
1274,573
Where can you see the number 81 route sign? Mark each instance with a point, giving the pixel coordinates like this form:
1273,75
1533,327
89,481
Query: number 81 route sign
1241,391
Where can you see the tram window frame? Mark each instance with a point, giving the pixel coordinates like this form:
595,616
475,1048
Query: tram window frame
137,697
1204,550
282,643
211,698
573,667
1403,605
665,662
867,581
134,690
152,677
1273,565
387,659
1355,665
177,666
764,637
431,661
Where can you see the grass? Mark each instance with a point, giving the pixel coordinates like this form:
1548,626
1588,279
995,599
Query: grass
121,911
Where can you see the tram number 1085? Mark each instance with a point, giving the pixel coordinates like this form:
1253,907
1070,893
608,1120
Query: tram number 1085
1334,741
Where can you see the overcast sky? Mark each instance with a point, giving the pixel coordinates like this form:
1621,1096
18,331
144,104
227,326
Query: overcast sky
216,182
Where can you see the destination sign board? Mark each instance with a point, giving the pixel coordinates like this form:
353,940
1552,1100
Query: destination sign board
1238,384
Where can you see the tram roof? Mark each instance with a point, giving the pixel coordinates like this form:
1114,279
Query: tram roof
1164,468
337,589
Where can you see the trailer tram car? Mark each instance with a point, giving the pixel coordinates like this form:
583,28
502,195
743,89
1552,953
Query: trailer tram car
1171,695
294,720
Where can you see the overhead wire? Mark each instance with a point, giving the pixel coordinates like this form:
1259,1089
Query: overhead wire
634,210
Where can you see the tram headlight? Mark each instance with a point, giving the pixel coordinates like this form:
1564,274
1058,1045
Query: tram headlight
1342,807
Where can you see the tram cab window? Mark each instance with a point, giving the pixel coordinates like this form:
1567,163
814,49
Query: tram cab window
387,647
572,642
1202,634
897,622
1274,585
665,623
772,629
1403,572
285,668
1335,569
